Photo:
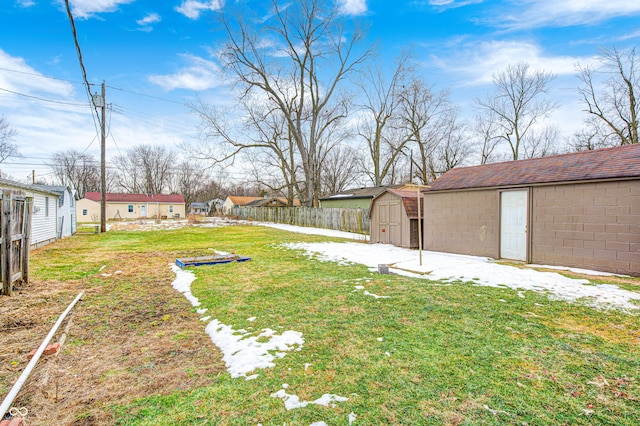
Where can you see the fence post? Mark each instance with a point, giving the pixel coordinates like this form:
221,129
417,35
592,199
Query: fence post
26,242
7,285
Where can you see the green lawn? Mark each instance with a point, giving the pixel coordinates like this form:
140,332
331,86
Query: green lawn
428,354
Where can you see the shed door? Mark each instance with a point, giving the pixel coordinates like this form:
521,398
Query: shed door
143,211
383,222
389,216
513,225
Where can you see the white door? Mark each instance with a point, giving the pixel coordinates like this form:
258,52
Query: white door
513,225
143,211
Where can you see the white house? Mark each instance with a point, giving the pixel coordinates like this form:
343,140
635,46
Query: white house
67,222
45,217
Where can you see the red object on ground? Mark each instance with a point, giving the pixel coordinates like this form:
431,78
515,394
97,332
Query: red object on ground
50,350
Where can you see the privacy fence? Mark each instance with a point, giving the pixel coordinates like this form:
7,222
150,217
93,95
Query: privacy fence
350,220
15,228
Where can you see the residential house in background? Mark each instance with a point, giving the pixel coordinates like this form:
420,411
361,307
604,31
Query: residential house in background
130,206
199,208
358,198
577,210
234,201
67,220
50,211
271,202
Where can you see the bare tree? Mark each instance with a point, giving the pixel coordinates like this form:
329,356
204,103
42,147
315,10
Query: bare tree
77,169
453,147
486,139
517,105
594,135
296,63
190,179
428,119
8,148
378,124
613,102
145,169
339,170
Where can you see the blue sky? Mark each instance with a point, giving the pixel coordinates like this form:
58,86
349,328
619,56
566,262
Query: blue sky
156,55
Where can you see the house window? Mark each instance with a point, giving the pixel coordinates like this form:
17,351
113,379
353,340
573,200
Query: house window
61,201
170,209
130,208
84,212
46,206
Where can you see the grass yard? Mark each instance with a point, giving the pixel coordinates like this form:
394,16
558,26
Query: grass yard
430,353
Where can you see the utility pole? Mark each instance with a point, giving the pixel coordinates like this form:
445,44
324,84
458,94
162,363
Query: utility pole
103,177
99,101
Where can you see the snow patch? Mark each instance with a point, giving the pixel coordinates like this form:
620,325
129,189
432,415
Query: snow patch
243,353
292,401
182,283
481,270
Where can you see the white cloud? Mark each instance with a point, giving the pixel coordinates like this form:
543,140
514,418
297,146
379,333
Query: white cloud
200,74
536,13
451,4
478,63
26,3
353,7
87,8
193,8
151,18
22,78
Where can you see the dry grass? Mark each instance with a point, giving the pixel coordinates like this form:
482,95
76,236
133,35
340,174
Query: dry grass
129,337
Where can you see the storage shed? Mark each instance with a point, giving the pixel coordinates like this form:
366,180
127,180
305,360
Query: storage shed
577,210
394,218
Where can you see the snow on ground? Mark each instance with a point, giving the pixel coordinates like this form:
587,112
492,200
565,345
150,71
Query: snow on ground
182,283
576,270
242,352
293,401
314,231
480,270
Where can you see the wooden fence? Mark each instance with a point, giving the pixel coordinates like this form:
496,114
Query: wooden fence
15,230
350,220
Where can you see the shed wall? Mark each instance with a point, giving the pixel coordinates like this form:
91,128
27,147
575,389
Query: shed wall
588,225
465,222
398,225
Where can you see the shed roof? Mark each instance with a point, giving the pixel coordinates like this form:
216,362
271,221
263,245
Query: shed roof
365,192
410,202
608,163
136,198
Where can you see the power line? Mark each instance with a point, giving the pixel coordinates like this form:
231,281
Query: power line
79,53
42,99
40,75
147,96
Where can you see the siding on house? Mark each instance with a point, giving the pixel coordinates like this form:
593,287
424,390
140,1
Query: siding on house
43,225
143,205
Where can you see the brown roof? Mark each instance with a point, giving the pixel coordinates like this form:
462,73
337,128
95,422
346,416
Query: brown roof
365,192
239,200
410,201
136,198
608,163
